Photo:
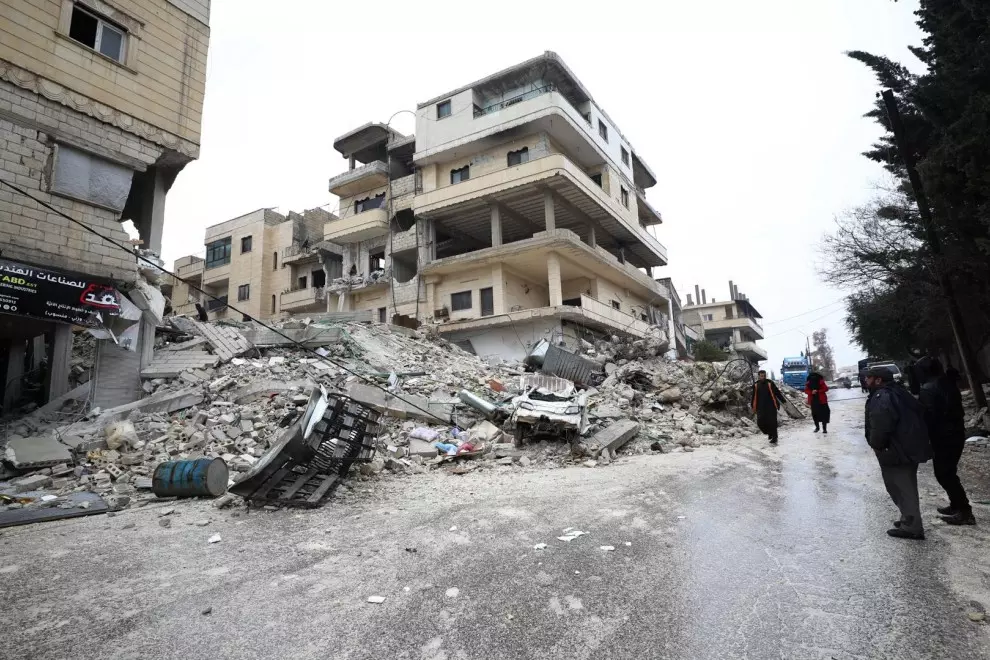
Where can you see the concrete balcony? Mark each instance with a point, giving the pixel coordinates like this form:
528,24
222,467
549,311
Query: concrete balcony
361,227
360,179
466,206
295,254
219,275
750,349
303,300
741,323
611,317
191,271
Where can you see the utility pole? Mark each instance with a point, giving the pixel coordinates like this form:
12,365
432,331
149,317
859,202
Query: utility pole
935,245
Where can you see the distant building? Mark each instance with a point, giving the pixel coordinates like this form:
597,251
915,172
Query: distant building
733,325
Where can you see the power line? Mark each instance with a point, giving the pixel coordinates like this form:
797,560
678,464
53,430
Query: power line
806,323
217,299
790,318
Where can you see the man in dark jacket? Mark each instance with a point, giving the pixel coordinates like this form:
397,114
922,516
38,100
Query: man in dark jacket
766,403
946,423
895,429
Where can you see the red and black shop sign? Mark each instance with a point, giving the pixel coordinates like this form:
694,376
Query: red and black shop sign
57,296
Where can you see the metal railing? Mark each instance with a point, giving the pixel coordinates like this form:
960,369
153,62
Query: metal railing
217,304
525,96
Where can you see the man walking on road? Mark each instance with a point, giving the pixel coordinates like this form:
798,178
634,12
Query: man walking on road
945,418
766,403
895,429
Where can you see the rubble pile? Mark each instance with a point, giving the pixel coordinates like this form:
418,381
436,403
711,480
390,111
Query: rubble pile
439,406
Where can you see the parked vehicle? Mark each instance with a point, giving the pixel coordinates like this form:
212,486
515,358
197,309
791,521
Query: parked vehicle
844,381
898,374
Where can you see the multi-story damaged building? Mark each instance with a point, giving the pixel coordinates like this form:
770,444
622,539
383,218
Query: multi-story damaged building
263,263
100,109
517,212
732,325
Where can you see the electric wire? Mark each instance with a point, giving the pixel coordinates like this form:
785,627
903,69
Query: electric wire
217,299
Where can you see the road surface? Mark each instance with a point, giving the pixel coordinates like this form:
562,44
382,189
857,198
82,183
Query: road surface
741,551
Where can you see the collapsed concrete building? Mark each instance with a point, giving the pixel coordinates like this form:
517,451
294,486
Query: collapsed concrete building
517,212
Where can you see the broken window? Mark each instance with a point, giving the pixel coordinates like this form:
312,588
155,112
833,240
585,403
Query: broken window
245,244
460,301
487,301
319,278
243,292
597,178
625,156
88,178
376,260
382,311
624,194
98,33
443,109
462,174
587,117
368,203
218,253
518,157
603,130
616,305
303,282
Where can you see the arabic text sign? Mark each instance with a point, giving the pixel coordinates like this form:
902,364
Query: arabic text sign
53,296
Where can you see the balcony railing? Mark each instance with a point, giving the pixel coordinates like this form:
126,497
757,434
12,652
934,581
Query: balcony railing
525,96
216,305
615,317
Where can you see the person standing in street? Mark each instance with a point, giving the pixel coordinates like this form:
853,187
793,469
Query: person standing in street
944,415
816,387
766,403
895,429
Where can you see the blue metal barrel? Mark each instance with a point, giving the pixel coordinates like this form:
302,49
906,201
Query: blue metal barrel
203,477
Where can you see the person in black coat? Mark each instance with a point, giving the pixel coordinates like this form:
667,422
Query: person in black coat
944,415
766,403
895,429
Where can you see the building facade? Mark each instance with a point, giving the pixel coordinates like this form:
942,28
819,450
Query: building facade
733,325
517,212
100,109
263,263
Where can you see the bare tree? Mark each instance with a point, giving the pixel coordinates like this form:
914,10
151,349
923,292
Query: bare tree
823,359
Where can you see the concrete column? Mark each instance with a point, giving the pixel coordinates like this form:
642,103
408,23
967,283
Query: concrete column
60,361
350,162
498,288
553,280
146,341
431,294
151,221
496,226
17,352
736,336
38,349
548,215
649,272
592,240
342,301
622,254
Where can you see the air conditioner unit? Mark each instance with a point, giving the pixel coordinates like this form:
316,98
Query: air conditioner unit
442,313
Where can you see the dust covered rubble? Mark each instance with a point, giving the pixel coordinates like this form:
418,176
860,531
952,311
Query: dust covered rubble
242,406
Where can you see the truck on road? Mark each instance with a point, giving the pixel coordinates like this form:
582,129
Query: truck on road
794,371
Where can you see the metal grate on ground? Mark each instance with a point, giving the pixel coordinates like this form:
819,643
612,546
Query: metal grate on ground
303,472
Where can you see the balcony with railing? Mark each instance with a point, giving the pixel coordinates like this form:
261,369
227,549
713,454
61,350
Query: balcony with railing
216,304
610,316
361,226
360,179
525,96
192,270
298,300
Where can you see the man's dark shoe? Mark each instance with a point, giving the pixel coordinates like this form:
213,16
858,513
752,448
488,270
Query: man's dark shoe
898,523
899,533
773,441
947,510
817,429
960,518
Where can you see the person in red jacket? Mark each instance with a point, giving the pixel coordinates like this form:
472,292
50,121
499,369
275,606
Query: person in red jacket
816,387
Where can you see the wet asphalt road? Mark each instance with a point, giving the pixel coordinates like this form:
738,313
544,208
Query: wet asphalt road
743,551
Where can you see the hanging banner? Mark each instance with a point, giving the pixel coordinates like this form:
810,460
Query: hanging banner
55,296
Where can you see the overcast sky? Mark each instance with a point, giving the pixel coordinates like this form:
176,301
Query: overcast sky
749,113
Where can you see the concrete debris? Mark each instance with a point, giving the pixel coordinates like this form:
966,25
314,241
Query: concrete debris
376,600
441,407
214,539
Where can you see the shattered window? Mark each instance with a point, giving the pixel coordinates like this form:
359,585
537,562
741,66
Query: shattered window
459,175
97,33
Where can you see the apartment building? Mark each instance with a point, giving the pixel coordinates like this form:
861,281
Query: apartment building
263,263
100,109
733,325
518,211
684,336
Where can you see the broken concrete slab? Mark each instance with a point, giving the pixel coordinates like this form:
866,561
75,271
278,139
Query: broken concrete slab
70,506
186,345
421,448
227,342
36,452
409,406
166,402
614,437
311,336
171,364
